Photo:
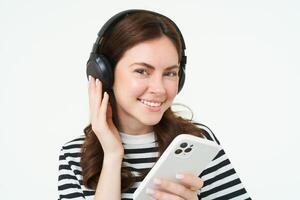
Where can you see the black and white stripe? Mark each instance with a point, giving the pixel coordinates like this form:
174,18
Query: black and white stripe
220,178
70,184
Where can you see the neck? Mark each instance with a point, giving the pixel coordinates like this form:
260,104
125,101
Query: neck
135,130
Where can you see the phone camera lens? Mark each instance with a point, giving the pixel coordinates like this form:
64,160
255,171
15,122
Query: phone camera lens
183,145
188,150
178,151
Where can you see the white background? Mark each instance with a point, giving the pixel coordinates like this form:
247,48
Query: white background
242,82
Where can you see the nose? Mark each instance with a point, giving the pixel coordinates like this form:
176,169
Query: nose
156,86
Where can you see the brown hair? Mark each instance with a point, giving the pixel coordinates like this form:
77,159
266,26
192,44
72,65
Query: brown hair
131,30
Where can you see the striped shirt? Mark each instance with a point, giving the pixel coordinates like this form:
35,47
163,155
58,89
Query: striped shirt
221,181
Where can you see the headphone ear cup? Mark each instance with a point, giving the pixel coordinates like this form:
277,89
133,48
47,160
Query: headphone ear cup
181,78
100,68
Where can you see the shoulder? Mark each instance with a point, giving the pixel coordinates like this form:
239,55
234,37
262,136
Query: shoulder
74,143
72,148
207,132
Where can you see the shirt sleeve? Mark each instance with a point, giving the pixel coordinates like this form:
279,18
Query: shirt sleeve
68,184
220,179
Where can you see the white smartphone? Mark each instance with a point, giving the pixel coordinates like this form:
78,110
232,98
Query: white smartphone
186,153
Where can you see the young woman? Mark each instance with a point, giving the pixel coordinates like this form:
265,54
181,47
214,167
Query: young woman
132,122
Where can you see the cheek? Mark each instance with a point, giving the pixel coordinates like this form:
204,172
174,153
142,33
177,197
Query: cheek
138,87
172,89
126,85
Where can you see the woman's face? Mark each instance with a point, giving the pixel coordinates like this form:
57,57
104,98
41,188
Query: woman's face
146,82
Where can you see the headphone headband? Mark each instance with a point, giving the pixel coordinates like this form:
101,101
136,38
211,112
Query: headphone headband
119,16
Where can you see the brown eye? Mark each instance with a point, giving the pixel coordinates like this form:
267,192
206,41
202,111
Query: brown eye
141,71
171,73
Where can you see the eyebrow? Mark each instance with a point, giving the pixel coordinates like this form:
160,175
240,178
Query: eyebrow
150,66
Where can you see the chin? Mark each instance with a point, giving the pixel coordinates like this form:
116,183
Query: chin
151,122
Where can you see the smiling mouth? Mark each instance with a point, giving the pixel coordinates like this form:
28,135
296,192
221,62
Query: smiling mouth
151,103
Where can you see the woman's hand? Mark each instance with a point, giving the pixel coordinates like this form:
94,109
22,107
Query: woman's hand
101,120
185,189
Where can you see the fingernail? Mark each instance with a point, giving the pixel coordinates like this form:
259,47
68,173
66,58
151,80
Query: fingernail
89,78
149,191
157,181
97,81
179,176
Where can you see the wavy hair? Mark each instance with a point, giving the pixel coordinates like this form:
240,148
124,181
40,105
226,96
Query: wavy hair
131,30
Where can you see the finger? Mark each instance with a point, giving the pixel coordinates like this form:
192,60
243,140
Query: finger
162,195
173,188
103,107
191,181
91,92
91,87
98,96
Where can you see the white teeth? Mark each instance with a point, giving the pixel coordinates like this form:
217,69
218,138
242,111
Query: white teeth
153,104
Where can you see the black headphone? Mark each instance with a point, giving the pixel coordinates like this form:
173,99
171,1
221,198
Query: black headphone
100,67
